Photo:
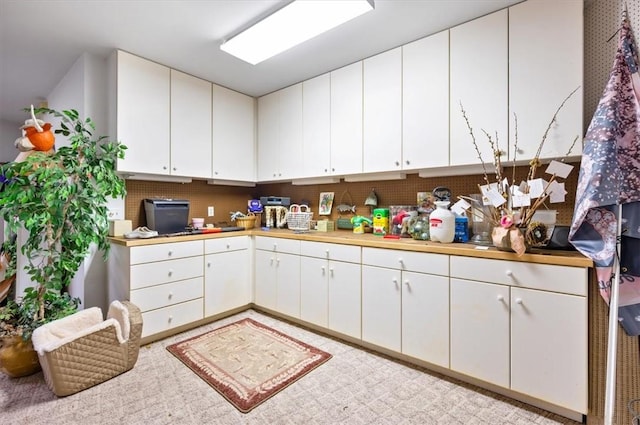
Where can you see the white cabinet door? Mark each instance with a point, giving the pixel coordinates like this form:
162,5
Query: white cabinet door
480,330
425,317
268,134
314,291
265,283
288,284
549,346
290,140
280,134
425,102
316,126
234,141
479,80
227,285
382,113
345,298
346,119
142,114
545,65
381,301
190,126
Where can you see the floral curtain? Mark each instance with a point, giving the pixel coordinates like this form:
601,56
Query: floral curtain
610,176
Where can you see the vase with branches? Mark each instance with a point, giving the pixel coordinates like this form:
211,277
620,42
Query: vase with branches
512,221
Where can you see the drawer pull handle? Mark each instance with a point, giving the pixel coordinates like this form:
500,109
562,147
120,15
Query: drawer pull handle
170,318
275,246
500,298
228,245
327,252
209,264
509,273
519,301
170,272
170,253
170,295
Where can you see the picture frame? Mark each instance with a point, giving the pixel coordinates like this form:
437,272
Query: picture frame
326,202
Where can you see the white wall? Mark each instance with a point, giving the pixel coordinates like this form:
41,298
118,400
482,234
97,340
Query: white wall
9,132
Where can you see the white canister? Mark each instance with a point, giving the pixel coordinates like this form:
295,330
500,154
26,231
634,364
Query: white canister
442,223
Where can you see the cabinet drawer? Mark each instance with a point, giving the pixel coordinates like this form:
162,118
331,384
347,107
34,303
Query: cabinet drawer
289,246
331,251
165,251
214,246
163,319
420,262
569,280
149,274
153,297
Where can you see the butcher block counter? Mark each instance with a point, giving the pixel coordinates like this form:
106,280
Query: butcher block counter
541,256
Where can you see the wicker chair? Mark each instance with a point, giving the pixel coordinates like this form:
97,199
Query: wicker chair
83,350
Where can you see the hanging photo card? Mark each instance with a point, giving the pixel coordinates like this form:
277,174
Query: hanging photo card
460,207
326,202
560,169
518,198
536,188
492,194
557,192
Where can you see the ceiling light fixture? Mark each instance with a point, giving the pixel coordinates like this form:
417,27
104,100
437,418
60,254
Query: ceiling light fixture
298,21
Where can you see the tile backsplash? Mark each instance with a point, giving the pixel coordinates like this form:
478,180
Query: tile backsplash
389,192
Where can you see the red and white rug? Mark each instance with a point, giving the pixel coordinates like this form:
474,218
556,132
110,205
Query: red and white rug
248,362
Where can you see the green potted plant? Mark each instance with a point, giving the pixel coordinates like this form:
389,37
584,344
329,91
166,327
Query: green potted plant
60,199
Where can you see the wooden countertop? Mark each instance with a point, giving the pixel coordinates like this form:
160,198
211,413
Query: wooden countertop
346,237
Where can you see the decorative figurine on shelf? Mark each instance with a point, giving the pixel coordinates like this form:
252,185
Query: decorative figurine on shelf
36,136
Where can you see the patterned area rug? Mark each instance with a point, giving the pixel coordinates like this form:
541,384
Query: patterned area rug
248,362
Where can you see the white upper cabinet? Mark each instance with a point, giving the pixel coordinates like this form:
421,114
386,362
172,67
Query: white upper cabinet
290,146
142,114
545,65
346,119
382,114
280,134
316,126
234,147
425,102
190,126
268,133
479,80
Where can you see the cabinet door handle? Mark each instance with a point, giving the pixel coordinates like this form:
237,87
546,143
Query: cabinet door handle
500,298
164,167
397,163
519,301
408,162
323,270
174,169
208,264
395,281
401,261
406,282
509,273
331,271
277,262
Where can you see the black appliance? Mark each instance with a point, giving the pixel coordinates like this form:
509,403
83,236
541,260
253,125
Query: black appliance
167,215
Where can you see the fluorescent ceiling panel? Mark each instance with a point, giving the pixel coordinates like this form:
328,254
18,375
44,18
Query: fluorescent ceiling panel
298,21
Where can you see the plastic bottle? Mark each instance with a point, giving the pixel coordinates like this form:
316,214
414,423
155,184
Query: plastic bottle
462,229
442,223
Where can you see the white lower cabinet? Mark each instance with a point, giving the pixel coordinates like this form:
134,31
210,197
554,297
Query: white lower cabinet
330,286
227,282
277,275
480,330
522,326
405,303
164,280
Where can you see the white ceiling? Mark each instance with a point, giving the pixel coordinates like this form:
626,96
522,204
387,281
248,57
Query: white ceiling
41,39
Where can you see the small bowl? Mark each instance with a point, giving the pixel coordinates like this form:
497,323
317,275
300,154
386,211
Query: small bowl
197,223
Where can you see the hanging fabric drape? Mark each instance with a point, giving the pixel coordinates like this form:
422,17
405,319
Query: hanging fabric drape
610,177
